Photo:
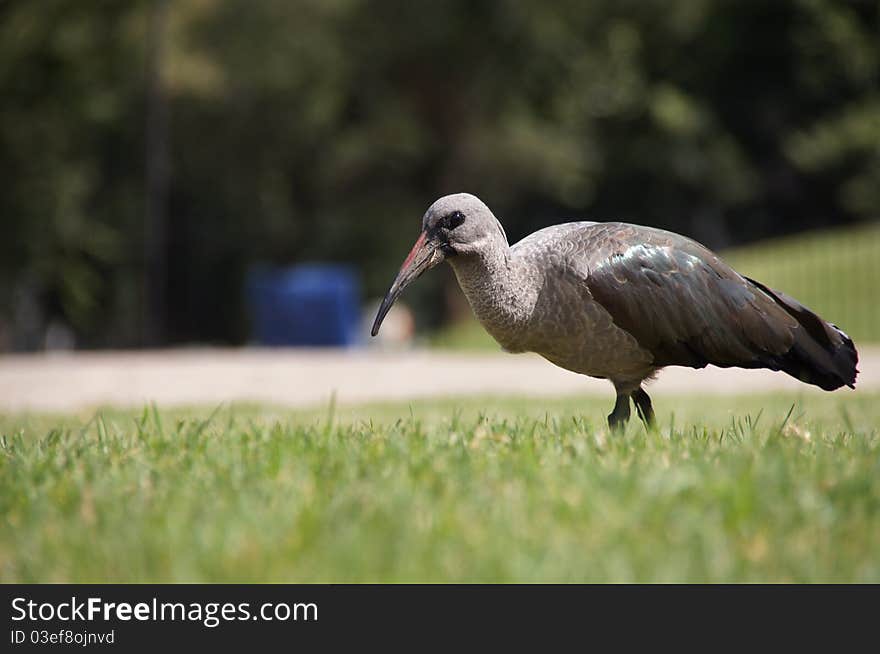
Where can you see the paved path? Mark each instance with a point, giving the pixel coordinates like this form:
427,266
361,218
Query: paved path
306,377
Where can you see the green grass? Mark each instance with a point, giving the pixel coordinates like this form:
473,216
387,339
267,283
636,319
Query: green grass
768,489
835,273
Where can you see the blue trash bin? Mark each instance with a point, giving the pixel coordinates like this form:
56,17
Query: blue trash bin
305,305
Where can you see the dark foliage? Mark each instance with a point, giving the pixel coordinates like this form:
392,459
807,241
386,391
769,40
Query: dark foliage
321,130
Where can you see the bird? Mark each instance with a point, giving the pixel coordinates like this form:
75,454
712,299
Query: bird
619,301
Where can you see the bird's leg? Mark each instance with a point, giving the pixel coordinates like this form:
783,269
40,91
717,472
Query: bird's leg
617,419
643,407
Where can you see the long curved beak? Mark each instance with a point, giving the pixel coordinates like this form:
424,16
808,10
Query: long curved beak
424,255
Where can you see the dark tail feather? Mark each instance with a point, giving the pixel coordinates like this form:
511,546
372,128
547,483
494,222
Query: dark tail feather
822,354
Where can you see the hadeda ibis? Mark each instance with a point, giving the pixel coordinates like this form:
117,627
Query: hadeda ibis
620,302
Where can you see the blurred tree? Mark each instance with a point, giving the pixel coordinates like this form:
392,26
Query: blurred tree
321,129
69,200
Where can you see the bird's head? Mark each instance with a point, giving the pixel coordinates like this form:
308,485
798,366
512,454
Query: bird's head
455,225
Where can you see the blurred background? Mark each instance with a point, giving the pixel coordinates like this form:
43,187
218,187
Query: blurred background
199,171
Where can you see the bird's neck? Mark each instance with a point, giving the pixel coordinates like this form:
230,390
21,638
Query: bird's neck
494,287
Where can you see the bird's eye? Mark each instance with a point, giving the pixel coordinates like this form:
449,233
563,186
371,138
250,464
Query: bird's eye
453,220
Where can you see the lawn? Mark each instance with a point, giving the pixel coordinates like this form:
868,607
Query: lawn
835,273
782,488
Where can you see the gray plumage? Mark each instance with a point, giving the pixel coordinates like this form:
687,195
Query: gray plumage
621,301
